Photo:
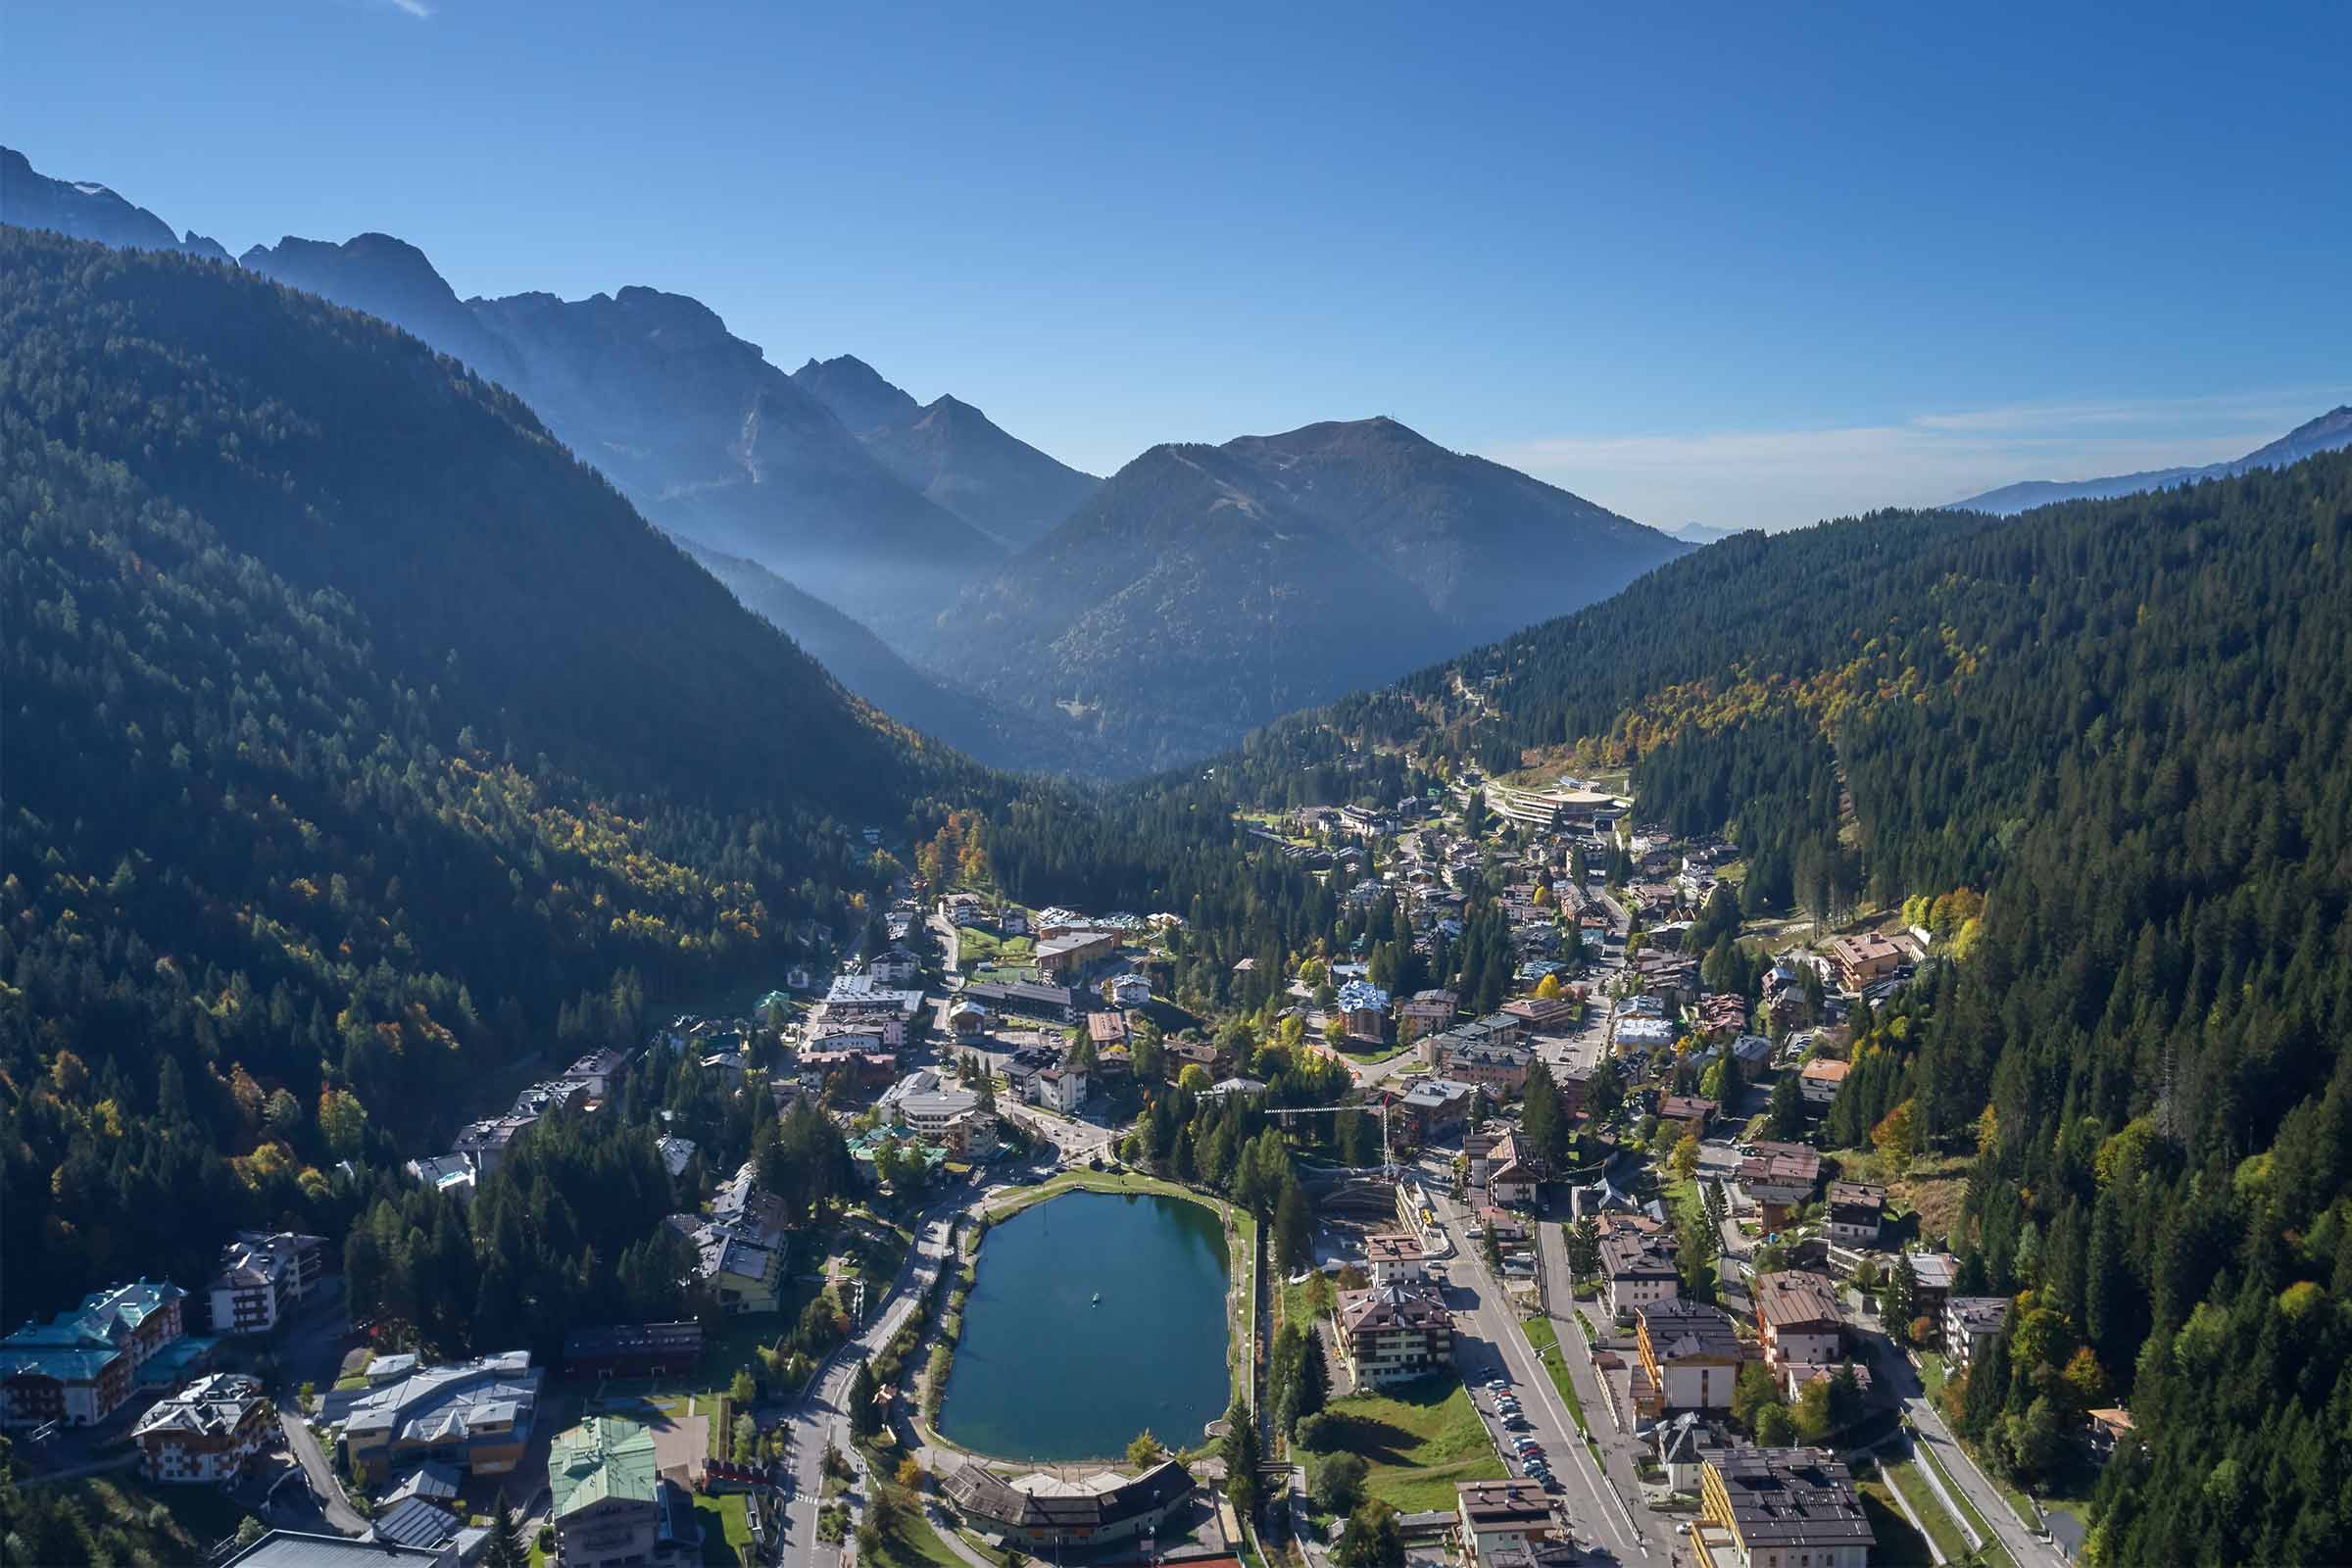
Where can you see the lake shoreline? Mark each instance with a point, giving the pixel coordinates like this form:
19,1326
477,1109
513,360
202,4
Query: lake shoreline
1235,1231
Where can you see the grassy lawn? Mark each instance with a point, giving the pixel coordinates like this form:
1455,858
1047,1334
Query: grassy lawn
357,1377
914,1540
726,1529
975,944
1931,1376
1897,1546
1967,1508
1544,1336
1905,1479
1420,1439
1087,1181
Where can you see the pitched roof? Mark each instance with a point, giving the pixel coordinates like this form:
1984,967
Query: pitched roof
1047,1502
1795,1298
212,1405
603,1457
1687,1331
1393,1306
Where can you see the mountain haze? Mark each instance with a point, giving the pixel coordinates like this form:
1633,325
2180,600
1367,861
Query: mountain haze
1203,590
689,421
85,210
2326,433
867,666
952,453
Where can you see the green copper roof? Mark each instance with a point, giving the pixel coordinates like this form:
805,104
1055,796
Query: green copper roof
603,1457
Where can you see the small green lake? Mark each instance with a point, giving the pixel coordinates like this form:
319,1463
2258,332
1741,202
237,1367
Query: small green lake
1044,1371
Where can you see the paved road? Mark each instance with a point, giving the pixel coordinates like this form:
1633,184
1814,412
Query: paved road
1892,1370
824,1416
950,947
324,1484
1617,1445
1488,1338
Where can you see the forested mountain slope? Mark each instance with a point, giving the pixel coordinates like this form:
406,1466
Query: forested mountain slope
2129,723
1204,589
355,729
2326,433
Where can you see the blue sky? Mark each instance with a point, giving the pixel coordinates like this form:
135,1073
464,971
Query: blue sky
1741,265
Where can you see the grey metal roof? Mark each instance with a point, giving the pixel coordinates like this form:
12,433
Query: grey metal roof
294,1549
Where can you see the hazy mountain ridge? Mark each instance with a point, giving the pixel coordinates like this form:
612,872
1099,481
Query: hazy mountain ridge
86,209
1203,590
869,668
951,452
690,420
2326,433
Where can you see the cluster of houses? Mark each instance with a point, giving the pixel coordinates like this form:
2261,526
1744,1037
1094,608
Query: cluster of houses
480,1146
92,1363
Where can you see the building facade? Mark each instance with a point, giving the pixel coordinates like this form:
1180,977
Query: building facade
1394,1333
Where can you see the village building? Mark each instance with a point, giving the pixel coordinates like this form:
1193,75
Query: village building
1023,999
299,1548
1857,1214
1641,1271
1819,1079
1063,1089
1862,959
261,1278
609,1506
598,1068
1043,1513
2104,1429
1971,1323
1686,1442
893,966
632,1351
1394,1333
1424,1012
1365,1009
1780,1179
1780,1508
207,1433
1690,1114
1435,1105
1501,1516
1690,1355
1394,1257
1058,958
81,1366
1798,1317
475,1415
1933,1274
1497,1067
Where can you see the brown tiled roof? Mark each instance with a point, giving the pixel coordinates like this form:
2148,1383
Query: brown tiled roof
1795,1298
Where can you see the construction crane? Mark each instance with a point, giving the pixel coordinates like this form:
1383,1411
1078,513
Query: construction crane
1388,1169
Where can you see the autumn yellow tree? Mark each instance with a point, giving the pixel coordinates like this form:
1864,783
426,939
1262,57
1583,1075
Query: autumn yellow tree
1549,988
1893,1138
